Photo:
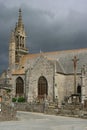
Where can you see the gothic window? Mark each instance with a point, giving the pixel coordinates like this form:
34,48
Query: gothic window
19,86
42,87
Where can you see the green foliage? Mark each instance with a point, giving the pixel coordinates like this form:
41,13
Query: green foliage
21,99
14,99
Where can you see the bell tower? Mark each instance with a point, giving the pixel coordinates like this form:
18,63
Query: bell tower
20,36
17,46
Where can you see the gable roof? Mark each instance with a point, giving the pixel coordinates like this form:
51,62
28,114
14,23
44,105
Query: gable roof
64,63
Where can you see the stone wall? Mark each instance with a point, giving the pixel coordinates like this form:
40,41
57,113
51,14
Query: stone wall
64,85
32,107
42,67
69,83
59,87
7,113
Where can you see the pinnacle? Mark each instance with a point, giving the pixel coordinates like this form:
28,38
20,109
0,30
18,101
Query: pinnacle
20,18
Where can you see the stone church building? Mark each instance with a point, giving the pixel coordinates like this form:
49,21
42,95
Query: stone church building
51,75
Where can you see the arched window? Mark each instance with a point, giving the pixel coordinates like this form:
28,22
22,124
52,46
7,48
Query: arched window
19,86
42,87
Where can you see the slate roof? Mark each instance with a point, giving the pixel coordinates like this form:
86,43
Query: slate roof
63,60
67,62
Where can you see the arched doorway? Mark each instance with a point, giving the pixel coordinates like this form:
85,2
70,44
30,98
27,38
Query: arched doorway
79,89
19,86
42,87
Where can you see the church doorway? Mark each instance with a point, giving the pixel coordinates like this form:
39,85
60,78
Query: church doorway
42,87
79,92
79,89
19,86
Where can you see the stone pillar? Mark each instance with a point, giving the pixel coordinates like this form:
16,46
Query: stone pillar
83,89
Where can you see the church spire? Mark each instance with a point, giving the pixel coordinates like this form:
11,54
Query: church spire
20,24
17,47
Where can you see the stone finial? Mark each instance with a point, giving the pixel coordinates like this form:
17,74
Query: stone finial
20,19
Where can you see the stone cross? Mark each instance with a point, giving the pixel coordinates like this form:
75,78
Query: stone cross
75,66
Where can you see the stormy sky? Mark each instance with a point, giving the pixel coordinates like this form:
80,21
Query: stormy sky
50,25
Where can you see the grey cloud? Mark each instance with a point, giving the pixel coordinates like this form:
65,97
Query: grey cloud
66,34
60,28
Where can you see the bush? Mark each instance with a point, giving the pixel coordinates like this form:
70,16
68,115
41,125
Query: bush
14,99
21,99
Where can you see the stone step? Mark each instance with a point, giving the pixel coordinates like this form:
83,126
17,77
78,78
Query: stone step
52,105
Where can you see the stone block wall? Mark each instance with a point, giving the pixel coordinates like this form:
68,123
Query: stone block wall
31,107
42,67
64,85
7,113
59,87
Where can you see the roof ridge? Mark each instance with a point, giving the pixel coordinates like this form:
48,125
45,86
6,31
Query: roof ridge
59,51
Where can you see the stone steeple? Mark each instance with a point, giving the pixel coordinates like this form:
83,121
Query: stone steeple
20,19
19,25
17,46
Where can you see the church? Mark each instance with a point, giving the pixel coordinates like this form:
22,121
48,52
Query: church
50,75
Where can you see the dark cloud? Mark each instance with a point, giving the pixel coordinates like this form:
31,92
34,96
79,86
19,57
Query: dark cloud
52,34
49,26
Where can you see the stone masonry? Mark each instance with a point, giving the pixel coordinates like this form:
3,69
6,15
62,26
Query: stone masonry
42,67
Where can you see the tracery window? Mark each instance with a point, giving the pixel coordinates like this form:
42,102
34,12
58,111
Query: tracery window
19,86
42,87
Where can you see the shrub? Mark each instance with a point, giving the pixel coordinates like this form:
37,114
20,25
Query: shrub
14,99
21,99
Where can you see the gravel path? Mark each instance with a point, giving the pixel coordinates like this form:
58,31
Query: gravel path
37,121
